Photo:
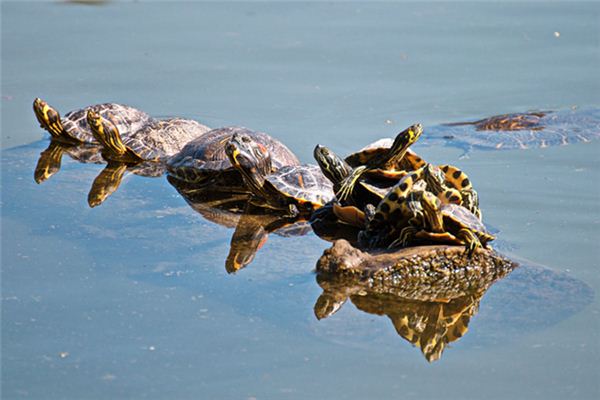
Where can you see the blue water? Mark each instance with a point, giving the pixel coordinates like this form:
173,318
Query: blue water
131,299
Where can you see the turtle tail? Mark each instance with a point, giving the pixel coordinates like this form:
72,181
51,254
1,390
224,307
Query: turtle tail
49,119
106,133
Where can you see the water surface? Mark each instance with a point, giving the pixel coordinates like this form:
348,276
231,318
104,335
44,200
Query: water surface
131,299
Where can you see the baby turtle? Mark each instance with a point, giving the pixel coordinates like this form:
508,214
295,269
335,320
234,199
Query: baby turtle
520,130
204,161
298,189
73,128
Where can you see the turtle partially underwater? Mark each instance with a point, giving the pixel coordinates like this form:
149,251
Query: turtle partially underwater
73,127
204,162
430,294
252,224
144,151
298,189
519,130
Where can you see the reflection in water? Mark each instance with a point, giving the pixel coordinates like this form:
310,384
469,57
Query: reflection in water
109,179
429,293
252,223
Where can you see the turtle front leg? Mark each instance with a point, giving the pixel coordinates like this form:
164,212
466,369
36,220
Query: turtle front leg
470,240
407,234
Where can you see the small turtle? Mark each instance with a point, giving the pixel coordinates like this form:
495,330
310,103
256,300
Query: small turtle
520,130
382,159
447,223
73,128
298,188
203,160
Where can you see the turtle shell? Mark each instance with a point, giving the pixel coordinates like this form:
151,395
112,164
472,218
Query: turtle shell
464,218
205,155
126,119
303,184
160,139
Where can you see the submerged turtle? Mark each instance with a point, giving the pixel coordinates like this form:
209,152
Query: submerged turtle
204,161
520,130
143,151
298,189
73,128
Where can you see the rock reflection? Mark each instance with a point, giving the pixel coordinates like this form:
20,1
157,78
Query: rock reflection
430,293
252,223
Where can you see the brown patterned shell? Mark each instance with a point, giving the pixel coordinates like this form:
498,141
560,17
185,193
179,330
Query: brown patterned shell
303,183
160,139
206,154
127,119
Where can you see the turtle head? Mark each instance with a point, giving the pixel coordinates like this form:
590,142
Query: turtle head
432,211
250,158
403,141
332,166
48,118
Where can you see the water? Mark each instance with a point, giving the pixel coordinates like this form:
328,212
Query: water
132,300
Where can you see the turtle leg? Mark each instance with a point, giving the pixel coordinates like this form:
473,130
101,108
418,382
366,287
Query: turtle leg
347,185
350,215
49,120
49,162
106,183
470,240
407,234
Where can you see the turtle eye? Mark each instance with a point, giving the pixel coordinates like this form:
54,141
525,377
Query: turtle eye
245,139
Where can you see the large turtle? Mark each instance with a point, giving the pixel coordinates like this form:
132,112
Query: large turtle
520,130
300,189
203,161
73,128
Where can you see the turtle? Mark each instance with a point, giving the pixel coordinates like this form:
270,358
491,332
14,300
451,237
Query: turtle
446,223
143,152
203,161
380,159
300,189
519,130
73,128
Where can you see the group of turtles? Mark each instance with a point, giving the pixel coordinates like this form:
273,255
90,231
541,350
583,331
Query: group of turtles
389,193
415,244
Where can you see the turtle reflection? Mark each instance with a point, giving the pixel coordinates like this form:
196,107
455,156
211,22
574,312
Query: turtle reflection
252,223
430,293
107,181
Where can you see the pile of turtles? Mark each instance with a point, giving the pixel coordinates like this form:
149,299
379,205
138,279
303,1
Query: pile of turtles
391,196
